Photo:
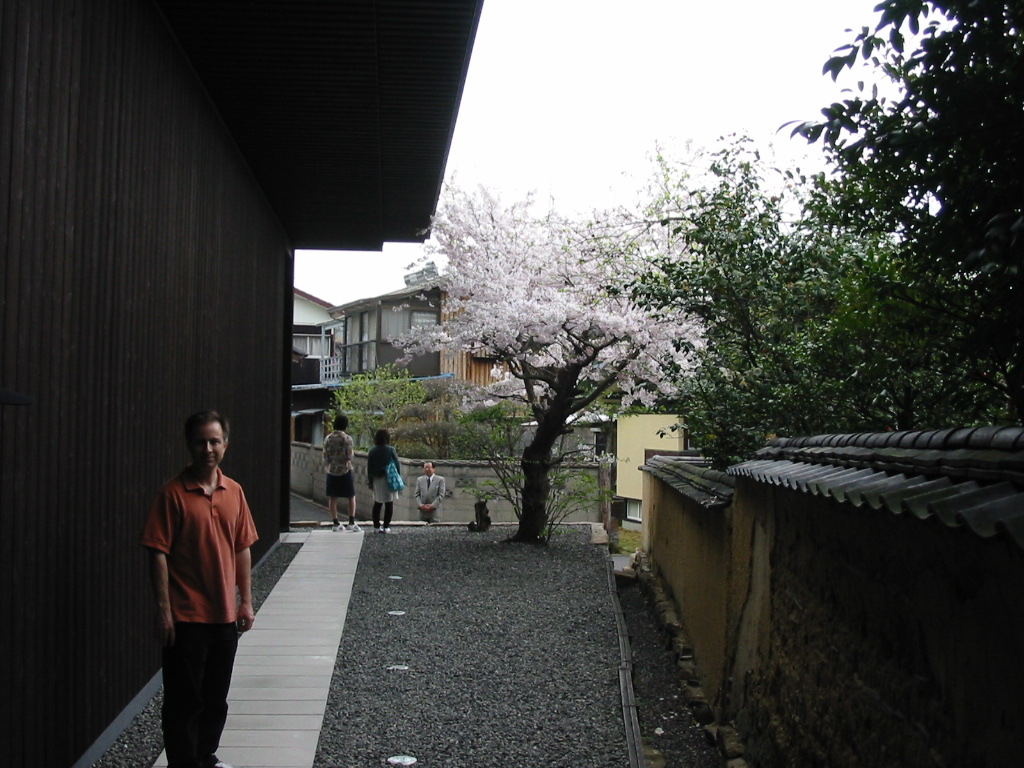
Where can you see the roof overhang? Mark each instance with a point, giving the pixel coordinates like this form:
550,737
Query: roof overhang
344,110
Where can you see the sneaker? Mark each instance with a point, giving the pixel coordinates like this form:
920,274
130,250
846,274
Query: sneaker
214,762
386,530
353,527
336,525
378,530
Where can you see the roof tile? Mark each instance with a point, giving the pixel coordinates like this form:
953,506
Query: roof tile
970,477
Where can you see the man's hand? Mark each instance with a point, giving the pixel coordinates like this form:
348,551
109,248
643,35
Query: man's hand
246,617
243,578
164,627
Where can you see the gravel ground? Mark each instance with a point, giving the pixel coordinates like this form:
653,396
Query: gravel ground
512,660
509,655
665,721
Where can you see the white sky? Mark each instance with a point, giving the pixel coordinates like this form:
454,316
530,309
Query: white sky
568,98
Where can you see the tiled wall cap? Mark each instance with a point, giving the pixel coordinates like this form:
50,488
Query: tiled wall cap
960,438
939,436
926,458
914,439
1008,439
982,437
920,439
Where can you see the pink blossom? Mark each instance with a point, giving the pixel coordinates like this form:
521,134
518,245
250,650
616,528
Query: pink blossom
548,298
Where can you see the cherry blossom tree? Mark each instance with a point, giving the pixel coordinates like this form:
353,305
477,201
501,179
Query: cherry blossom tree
546,298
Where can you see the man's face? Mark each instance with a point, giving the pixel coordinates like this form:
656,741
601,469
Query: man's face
428,469
207,445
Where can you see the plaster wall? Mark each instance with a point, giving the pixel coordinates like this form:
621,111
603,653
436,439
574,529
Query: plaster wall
893,641
691,549
850,636
634,435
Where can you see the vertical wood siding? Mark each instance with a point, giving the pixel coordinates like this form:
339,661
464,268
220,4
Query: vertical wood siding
143,277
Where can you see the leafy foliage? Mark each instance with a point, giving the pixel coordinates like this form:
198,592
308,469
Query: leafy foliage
490,431
804,332
374,400
433,429
941,168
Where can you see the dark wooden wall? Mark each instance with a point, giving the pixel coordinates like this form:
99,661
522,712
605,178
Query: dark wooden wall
143,277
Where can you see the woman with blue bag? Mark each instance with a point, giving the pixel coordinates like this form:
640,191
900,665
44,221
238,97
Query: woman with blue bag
385,475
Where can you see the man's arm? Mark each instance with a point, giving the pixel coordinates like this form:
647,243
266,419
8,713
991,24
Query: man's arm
243,578
159,578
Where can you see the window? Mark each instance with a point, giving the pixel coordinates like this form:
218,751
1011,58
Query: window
634,509
393,322
312,346
422,318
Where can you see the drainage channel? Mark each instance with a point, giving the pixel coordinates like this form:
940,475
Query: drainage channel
634,742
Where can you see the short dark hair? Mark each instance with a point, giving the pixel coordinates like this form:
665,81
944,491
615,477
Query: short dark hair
381,437
196,420
341,421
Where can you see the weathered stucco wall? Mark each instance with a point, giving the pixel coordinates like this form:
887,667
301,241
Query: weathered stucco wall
691,549
848,636
308,479
894,641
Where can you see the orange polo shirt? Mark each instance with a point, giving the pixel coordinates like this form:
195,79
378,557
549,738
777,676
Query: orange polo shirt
200,535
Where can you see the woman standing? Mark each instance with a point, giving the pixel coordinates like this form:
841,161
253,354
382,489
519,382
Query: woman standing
377,460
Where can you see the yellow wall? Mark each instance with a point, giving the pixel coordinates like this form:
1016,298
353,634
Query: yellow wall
635,435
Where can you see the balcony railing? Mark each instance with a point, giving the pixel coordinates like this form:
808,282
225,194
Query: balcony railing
330,370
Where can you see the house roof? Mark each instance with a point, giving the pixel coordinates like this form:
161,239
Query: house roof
970,478
344,111
310,297
399,295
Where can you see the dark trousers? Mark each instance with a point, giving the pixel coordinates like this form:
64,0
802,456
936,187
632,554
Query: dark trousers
389,510
197,675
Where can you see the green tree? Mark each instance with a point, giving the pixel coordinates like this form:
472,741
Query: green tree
803,334
729,258
940,169
375,399
433,428
494,430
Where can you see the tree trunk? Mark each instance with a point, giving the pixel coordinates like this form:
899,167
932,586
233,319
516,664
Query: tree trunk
536,487
536,465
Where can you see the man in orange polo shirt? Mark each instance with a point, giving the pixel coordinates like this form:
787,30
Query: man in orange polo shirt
198,533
